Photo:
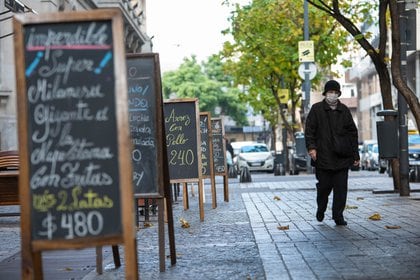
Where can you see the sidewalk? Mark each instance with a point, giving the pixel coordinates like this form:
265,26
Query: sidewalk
256,236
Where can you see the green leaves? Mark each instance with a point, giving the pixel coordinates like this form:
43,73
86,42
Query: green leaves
359,36
207,82
264,52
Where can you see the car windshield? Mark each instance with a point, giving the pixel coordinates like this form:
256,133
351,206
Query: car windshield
375,148
254,149
413,139
370,147
237,146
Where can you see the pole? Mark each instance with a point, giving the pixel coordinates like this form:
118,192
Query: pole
402,107
285,148
307,83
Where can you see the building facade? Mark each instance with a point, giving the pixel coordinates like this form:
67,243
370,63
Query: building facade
135,39
363,74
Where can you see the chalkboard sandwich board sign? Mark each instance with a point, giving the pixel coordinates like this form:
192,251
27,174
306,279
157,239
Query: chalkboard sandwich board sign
182,126
74,141
219,148
145,106
206,145
207,166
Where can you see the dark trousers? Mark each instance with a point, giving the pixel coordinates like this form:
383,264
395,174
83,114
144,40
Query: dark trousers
336,181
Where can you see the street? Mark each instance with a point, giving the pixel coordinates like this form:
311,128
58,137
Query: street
267,230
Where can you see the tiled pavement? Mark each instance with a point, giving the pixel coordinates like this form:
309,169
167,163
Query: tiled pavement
268,231
365,249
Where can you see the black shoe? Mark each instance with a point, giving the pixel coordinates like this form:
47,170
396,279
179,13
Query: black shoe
319,216
340,222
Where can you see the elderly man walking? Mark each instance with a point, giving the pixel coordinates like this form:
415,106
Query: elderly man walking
331,141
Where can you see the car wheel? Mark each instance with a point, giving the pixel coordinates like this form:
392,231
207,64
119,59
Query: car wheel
382,170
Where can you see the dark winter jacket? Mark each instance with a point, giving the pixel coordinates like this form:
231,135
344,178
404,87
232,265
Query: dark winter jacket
318,134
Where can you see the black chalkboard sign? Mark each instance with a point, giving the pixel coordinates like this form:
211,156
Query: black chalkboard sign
74,142
69,126
219,149
145,117
206,145
182,139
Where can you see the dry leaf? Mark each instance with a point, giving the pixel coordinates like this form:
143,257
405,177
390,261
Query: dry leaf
375,217
68,269
360,198
177,254
392,227
277,198
146,224
351,207
283,227
184,223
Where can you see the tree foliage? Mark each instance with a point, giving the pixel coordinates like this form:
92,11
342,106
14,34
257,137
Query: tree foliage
263,55
209,84
351,17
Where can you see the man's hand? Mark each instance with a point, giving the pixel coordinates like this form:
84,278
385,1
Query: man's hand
356,162
312,154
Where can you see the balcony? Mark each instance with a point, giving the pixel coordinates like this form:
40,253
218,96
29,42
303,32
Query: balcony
135,37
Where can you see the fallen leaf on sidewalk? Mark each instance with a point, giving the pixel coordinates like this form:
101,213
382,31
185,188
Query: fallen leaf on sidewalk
177,254
146,224
375,217
360,198
68,269
184,223
277,198
283,227
392,227
351,207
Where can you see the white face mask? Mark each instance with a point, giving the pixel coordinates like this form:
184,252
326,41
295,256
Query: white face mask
331,97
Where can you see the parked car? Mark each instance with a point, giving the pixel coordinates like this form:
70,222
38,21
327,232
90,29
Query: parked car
237,145
373,160
297,162
256,157
414,157
365,159
357,168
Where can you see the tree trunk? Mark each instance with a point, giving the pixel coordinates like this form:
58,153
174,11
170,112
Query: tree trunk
397,78
395,167
274,138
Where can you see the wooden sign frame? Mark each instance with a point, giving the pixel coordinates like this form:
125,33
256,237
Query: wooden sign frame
197,179
198,151
225,173
31,249
158,133
210,159
163,190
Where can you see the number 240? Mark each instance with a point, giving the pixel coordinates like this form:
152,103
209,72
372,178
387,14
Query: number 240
182,157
